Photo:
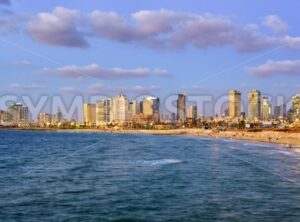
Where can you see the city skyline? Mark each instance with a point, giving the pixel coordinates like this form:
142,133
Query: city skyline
121,109
81,58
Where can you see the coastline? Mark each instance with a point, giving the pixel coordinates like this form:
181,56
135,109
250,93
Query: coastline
287,139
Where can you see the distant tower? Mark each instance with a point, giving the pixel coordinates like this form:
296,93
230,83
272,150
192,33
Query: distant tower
192,112
181,108
120,109
296,105
234,103
151,107
266,109
254,105
103,110
89,114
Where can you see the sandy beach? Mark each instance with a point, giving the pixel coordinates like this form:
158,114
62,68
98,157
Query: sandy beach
277,137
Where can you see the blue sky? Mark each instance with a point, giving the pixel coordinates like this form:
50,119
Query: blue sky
149,47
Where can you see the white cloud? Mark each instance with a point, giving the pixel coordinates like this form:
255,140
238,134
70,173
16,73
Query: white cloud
271,68
275,23
70,90
291,42
61,27
109,90
97,72
163,29
17,86
23,63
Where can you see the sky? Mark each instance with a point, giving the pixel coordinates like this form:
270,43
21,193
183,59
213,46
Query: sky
159,48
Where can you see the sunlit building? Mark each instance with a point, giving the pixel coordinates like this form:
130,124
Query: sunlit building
89,114
192,112
151,108
234,108
296,105
44,119
266,109
103,110
254,105
119,109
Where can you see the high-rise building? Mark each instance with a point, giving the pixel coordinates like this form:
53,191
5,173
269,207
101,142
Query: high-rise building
192,112
151,108
17,114
279,112
254,105
181,108
234,107
276,112
119,109
2,117
89,114
24,115
44,119
266,109
103,110
296,105
59,117
133,108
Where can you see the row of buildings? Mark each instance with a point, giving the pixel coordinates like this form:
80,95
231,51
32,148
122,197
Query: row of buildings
16,114
47,119
259,108
120,109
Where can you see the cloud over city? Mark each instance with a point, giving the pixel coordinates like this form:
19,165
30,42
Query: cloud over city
272,68
97,72
137,89
163,29
23,87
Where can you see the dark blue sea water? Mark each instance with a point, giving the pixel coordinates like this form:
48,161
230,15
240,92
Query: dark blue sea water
72,176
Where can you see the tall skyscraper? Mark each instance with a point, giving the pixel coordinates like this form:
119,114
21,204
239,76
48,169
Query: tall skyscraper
89,114
266,109
234,108
192,112
17,114
276,112
279,112
296,105
103,110
254,105
133,108
24,115
151,108
181,108
119,109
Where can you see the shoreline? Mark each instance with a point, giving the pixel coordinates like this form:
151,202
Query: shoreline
287,139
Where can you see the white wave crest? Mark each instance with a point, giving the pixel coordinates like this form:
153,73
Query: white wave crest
159,162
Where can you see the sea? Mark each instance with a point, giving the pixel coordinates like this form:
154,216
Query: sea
86,176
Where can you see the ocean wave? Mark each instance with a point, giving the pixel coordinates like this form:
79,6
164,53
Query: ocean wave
158,162
289,153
